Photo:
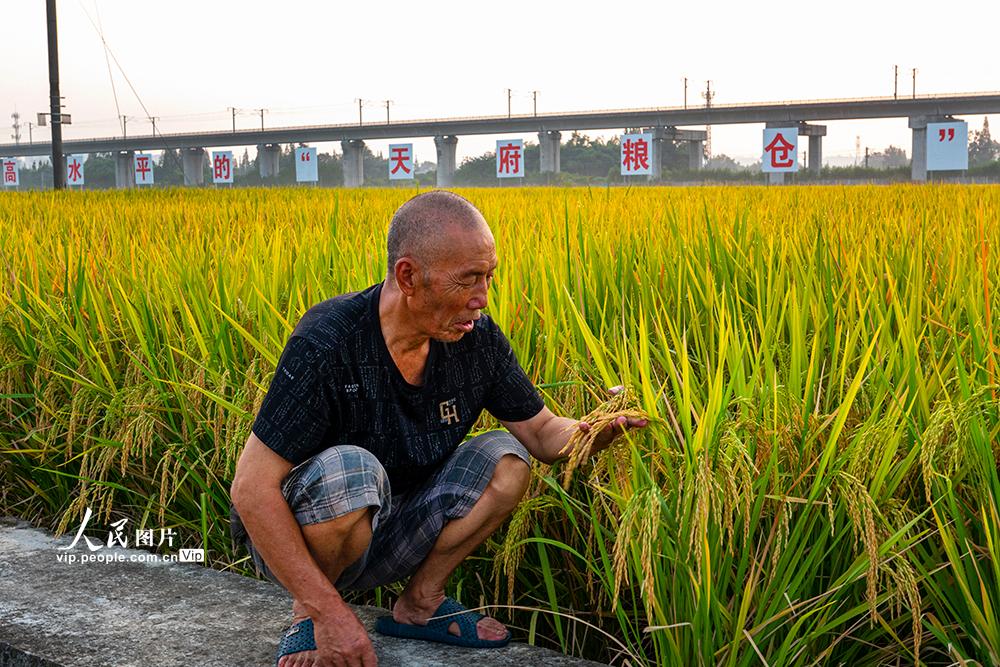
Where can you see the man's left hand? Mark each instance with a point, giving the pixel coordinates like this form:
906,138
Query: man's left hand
614,429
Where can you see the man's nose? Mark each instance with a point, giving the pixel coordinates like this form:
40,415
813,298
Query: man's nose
480,298
477,302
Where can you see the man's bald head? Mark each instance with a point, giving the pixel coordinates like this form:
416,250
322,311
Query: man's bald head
419,227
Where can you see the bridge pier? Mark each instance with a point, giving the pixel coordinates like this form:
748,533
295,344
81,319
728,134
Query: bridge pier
549,143
268,160
445,146
656,151
815,134
125,169
918,159
353,162
815,160
193,161
696,154
694,138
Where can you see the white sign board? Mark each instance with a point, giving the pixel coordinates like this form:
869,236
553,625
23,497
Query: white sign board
947,146
222,166
636,154
10,175
143,163
74,169
781,149
400,161
510,158
306,165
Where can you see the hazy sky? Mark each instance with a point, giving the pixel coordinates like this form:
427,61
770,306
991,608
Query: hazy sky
307,61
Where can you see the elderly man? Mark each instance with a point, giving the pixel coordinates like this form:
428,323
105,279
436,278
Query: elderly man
353,475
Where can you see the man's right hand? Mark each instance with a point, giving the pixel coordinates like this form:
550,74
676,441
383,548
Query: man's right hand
341,640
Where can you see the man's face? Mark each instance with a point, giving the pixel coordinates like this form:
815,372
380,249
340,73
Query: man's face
459,281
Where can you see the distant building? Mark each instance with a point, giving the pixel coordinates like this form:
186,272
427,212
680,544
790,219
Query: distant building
425,167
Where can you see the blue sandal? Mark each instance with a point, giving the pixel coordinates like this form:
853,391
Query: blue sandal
299,637
436,629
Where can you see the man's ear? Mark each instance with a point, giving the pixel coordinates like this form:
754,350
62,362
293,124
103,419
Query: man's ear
406,275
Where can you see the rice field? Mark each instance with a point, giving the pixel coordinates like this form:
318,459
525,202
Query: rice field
819,485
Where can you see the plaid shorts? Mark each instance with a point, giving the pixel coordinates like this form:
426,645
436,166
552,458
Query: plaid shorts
343,479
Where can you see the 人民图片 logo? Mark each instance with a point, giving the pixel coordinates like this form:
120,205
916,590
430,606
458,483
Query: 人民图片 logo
104,551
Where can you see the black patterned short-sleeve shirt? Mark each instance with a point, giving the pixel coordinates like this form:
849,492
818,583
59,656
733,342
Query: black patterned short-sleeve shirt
336,384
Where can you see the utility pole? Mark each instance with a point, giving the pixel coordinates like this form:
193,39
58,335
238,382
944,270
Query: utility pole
534,101
30,126
359,101
914,83
508,102
55,100
261,118
708,95
17,127
895,82
866,157
685,92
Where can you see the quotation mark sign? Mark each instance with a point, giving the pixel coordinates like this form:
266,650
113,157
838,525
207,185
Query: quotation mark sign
950,131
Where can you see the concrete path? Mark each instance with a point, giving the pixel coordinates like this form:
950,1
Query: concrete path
153,613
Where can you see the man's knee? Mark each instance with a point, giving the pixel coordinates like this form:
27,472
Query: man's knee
510,480
338,483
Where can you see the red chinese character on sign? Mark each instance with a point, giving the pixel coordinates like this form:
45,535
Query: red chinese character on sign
635,154
779,148
399,158
9,175
142,165
510,159
74,171
221,167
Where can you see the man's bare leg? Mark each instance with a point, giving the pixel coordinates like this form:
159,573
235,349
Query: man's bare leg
334,545
459,538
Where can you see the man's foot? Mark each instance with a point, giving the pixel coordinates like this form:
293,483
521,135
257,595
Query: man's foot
302,658
416,612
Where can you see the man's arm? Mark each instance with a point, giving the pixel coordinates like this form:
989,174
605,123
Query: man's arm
545,434
256,494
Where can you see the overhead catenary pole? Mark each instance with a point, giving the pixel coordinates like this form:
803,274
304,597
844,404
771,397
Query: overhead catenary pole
124,127
387,103
508,102
708,95
360,119
914,83
233,109
534,102
55,100
261,118
153,119
895,82
685,92
17,127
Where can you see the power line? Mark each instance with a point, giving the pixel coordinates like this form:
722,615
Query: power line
107,60
121,69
